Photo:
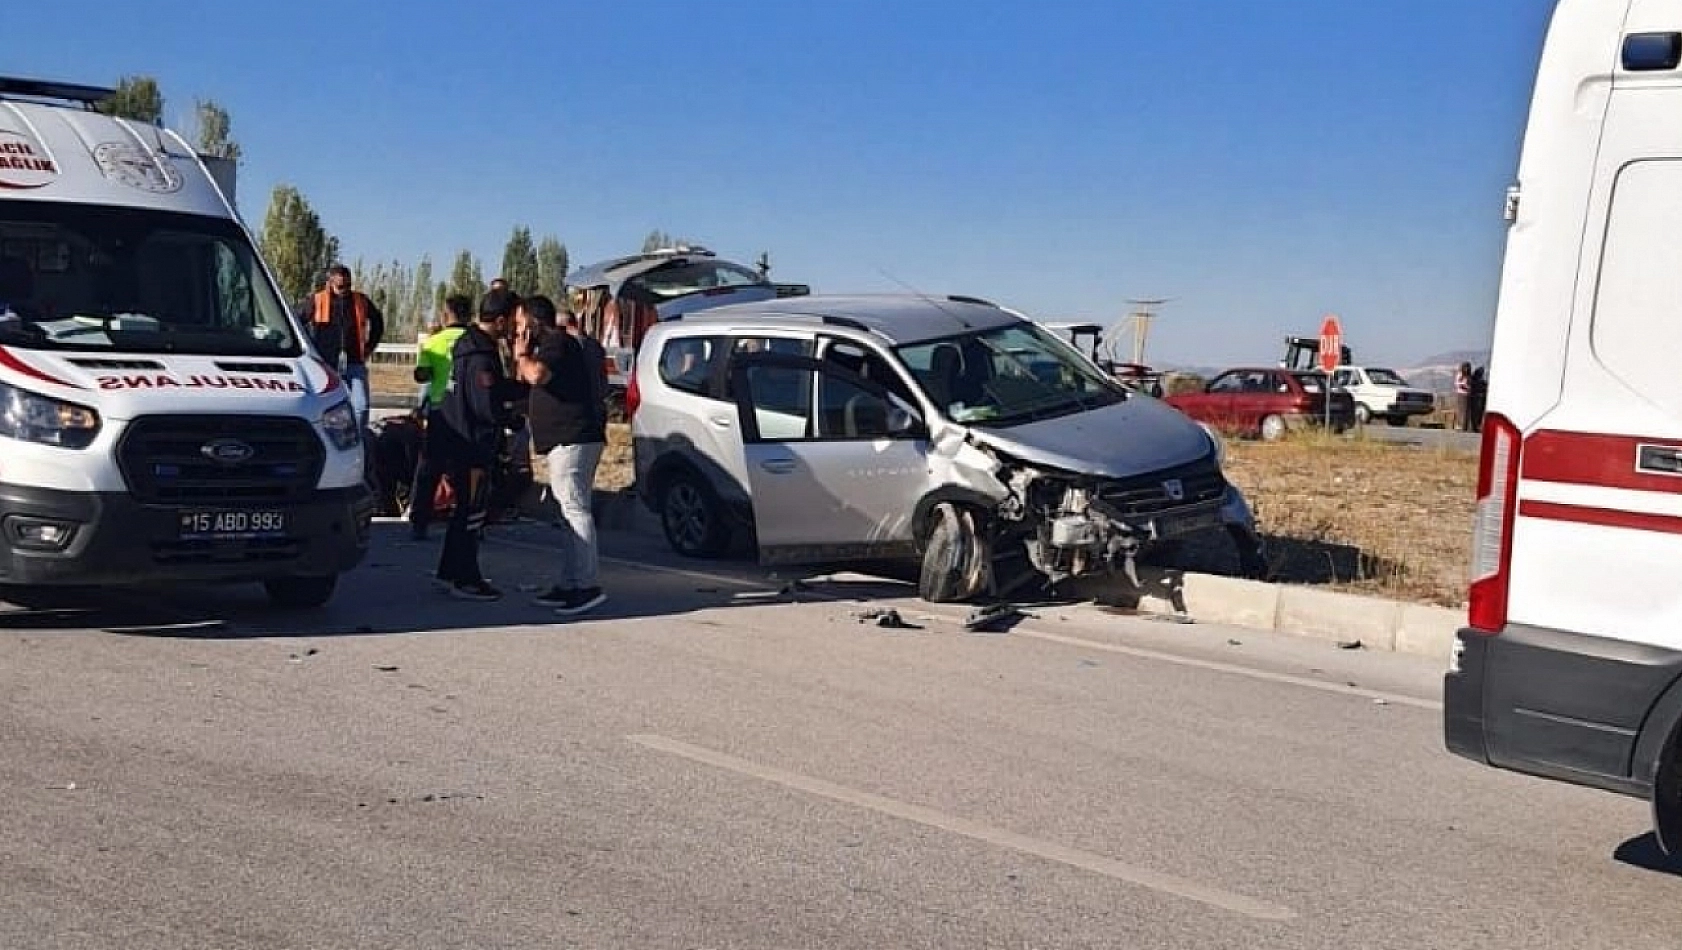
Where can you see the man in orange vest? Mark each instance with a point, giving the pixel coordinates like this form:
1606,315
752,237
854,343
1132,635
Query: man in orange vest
347,328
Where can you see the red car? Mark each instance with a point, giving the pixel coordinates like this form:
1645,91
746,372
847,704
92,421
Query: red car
1267,402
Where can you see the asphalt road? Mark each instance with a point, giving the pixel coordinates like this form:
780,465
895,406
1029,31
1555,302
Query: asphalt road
1444,439
715,761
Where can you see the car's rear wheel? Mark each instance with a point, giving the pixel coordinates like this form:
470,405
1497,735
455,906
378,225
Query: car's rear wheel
1398,421
692,516
1273,428
956,557
299,593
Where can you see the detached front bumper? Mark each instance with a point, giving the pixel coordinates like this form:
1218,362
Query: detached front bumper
60,538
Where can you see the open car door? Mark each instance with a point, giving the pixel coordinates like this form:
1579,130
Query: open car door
836,463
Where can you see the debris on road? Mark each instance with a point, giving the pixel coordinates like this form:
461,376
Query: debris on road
67,787
383,668
995,618
1351,645
886,617
1235,643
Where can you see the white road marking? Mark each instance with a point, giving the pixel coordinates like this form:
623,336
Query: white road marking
1030,633
1218,667
1072,857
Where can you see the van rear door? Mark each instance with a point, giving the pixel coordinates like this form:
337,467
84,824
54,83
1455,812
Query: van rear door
1593,608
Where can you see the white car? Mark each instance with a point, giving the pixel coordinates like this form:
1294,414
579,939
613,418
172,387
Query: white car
951,432
1382,394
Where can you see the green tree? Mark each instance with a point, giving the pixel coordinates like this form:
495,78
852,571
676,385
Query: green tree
552,263
137,98
421,302
467,277
519,262
295,244
658,239
214,127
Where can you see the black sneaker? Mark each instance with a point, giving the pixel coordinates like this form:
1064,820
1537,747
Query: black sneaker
554,597
582,601
475,590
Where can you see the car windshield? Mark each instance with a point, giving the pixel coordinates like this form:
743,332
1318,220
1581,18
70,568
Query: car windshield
92,277
693,276
1386,377
1009,375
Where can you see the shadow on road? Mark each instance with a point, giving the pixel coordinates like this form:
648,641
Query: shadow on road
1644,853
392,593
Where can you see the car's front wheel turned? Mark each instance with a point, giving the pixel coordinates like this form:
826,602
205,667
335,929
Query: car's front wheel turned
956,557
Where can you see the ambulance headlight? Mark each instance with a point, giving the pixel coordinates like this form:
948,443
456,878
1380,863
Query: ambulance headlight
339,423
30,417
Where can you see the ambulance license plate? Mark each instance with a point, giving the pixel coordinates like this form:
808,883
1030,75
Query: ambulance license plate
232,525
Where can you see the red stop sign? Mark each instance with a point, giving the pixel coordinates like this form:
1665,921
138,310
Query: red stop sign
1331,343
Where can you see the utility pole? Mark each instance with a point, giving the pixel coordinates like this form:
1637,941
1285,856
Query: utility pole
1144,312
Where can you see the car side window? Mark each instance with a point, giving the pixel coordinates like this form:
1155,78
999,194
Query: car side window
847,410
686,363
792,400
1230,383
781,400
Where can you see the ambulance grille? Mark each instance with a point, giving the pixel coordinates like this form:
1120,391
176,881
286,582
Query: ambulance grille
165,459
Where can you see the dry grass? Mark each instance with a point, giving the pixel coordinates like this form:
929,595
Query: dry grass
1362,516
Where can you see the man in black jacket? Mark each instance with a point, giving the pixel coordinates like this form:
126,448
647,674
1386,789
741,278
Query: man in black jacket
567,428
473,416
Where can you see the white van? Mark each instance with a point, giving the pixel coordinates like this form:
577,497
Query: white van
1571,663
162,416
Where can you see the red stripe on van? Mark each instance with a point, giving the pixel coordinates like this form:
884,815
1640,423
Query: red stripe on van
11,362
1601,517
1603,461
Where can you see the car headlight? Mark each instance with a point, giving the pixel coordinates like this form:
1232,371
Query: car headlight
340,425
34,418
1215,441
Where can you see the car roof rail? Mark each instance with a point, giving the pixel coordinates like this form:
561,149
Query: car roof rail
88,96
962,298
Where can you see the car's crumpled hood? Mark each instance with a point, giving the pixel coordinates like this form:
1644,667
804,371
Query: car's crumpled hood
1135,437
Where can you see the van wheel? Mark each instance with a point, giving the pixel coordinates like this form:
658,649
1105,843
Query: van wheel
298,593
1363,415
692,516
1398,421
956,558
1273,428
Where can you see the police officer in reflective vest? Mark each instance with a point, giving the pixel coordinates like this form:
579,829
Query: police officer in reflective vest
347,328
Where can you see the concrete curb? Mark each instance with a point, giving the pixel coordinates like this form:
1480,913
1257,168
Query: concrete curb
1384,625
1379,624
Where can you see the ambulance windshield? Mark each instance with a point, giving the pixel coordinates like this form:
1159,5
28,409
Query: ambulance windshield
92,277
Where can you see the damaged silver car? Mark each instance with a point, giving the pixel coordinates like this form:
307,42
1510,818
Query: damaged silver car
948,431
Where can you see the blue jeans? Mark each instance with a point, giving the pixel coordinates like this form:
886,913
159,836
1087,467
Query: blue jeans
356,382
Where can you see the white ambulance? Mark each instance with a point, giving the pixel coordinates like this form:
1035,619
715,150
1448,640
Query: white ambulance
162,415
1571,663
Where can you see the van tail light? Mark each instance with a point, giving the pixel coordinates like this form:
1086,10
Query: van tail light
1492,535
633,394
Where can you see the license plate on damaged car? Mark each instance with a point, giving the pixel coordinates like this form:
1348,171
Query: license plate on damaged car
1187,524
231,525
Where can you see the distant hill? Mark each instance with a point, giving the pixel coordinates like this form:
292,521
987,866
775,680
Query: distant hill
1437,373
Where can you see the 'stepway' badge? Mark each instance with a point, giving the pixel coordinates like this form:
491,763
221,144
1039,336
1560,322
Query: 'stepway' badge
23,162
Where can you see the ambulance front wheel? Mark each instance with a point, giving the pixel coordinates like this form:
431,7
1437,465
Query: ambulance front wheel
300,593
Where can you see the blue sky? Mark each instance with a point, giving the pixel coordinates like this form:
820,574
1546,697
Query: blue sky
1260,163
